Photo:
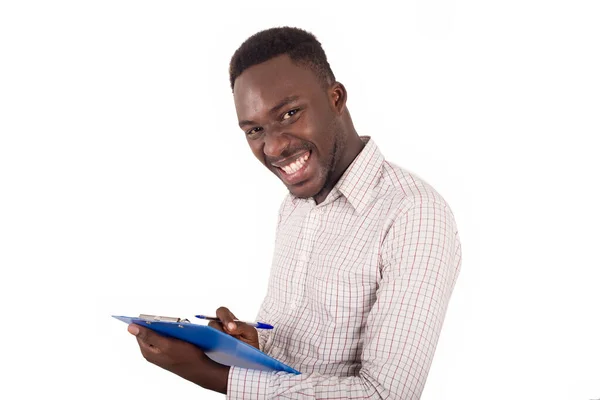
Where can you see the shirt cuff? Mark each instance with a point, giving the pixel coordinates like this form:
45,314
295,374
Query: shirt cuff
245,383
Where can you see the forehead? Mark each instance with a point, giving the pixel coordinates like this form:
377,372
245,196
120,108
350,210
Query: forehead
262,86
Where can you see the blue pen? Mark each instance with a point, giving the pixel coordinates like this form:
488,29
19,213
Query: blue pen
258,325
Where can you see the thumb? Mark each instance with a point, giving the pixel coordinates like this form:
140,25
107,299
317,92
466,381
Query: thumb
140,332
133,329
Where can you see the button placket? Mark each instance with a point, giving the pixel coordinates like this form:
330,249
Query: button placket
309,228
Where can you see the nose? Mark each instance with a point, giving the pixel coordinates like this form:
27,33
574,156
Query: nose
275,143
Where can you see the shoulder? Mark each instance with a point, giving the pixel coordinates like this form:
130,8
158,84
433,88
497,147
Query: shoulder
416,211
405,191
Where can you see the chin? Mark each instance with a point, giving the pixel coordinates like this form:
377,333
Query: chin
306,191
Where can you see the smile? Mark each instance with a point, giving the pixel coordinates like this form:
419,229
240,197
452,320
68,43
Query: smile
295,171
296,165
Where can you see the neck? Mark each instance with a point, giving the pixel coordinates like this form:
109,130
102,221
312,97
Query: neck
353,147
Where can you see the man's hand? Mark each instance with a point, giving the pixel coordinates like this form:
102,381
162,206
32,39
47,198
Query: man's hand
181,358
238,330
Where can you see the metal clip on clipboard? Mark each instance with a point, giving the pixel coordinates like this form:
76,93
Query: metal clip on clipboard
157,318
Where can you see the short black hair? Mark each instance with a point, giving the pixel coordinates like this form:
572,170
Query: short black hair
302,47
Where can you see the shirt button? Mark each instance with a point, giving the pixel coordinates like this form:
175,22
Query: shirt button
293,306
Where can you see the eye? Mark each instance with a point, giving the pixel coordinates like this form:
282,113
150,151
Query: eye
290,113
253,131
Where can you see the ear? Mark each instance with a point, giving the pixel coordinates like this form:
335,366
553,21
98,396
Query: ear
338,97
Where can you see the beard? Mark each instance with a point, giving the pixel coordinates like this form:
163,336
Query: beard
337,149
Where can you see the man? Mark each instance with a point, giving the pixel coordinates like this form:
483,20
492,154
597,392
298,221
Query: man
366,254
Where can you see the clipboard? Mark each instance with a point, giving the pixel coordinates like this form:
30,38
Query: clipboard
218,346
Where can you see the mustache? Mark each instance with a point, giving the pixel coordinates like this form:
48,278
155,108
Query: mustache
288,153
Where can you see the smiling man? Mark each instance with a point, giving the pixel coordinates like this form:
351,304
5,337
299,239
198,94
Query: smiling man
294,112
366,254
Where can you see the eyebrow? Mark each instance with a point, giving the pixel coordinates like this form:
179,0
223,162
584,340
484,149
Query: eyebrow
284,102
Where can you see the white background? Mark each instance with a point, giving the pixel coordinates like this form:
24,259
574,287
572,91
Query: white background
126,186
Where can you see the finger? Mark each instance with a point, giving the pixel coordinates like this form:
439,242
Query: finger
242,330
147,336
227,319
246,331
217,325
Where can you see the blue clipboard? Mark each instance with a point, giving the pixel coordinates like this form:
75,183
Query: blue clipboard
218,346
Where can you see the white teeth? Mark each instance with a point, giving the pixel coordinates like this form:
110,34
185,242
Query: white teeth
296,165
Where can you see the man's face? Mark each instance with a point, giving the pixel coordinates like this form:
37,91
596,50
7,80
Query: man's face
290,122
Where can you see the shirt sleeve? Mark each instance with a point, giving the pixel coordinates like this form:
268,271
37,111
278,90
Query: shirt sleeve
420,260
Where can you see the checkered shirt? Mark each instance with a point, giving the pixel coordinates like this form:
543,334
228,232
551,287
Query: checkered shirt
358,289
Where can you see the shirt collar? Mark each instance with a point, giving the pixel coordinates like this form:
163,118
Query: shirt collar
359,179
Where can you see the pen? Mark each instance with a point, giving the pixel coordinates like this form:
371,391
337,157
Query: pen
258,325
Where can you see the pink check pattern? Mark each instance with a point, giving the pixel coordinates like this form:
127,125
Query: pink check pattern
358,289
